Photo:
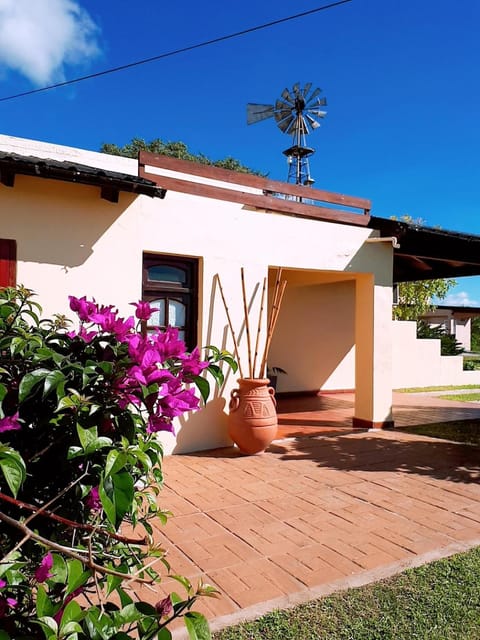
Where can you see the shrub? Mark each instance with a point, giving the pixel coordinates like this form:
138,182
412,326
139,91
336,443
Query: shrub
81,470
449,345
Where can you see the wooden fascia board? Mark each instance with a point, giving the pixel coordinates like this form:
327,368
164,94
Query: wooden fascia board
258,201
147,158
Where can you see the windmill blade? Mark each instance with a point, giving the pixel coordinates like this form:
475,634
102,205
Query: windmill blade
285,124
286,95
306,89
312,122
316,92
321,102
259,112
281,105
282,114
296,89
316,112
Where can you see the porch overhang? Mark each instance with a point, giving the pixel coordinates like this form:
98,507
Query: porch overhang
109,182
426,253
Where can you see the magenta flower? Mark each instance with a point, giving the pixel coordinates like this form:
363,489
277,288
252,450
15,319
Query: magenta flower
86,336
93,501
178,403
5,604
43,571
10,423
82,307
191,363
165,607
159,423
143,310
168,344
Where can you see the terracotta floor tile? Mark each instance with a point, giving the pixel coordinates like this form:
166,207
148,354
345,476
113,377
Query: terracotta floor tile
323,505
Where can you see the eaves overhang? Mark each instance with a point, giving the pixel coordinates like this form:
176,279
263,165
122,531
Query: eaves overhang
109,182
426,253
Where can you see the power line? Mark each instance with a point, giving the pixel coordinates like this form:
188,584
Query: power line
175,52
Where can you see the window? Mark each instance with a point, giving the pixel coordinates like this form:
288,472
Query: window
170,285
8,263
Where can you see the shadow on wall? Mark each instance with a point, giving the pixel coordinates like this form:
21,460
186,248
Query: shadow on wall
55,222
204,429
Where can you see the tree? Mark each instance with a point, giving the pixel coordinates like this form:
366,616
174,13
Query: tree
174,150
415,298
475,334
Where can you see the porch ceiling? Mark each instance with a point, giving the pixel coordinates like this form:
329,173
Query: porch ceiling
426,253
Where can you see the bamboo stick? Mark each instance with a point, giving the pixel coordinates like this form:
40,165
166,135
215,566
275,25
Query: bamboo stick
275,296
232,331
247,323
274,317
259,329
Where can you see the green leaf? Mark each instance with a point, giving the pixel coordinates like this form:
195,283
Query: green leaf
217,373
76,576
17,344
65,403
30,381
197,626
3,392
105,491
164,634
72,613
13,468
146,609
116,460
123,494
203,386
4,635
184,582
49,626
87,436
59,569
44,606
127,614
53,379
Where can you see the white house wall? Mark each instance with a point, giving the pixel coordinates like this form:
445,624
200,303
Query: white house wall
70,241
418,363
314,339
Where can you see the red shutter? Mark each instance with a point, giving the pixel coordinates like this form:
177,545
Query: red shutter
8,263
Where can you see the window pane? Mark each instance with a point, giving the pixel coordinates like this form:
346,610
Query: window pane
164,273
157,319
176,313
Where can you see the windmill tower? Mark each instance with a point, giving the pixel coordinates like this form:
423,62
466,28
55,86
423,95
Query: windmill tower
296,113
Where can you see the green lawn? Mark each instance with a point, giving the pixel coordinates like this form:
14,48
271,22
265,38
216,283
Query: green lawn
463,397
450,387
459,431
439,601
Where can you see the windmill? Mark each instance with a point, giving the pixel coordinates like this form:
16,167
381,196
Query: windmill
296,113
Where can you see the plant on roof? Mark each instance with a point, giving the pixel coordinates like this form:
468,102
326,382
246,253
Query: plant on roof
81,472
175,149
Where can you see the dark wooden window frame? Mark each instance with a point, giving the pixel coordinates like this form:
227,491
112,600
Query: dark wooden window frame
187,294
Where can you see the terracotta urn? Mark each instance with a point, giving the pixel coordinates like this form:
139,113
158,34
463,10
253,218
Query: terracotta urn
252,419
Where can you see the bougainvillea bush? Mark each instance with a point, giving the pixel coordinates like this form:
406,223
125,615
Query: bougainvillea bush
80,471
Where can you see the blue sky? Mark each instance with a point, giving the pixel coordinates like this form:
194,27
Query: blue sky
401,79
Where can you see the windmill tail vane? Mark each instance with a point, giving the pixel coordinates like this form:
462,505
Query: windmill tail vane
296,113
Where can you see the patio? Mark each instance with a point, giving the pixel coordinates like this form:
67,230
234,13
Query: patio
323,509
